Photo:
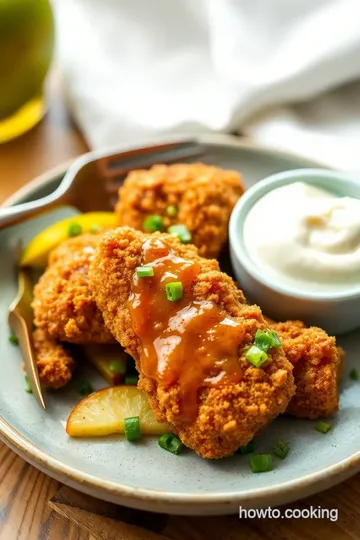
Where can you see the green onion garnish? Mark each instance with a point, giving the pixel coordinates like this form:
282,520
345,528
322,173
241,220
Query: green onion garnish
131,379
354,375
145,271
84,387
247,449
174,291
256,356
117,366
153,223
281,449
171,443
275,341
261,463
74,229
322,427
181,232
257,353
27,385
262,340
132,428
171,210
95,228
13,339
266,340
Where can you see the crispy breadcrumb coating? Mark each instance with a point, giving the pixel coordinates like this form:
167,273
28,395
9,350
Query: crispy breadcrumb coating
203,195
55,364
63,303
318,364
228,416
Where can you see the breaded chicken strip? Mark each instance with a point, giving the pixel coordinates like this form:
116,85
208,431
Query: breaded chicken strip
63,303
201,196
318,364
190,353
55,365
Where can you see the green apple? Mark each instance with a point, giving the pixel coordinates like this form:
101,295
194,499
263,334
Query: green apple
26,48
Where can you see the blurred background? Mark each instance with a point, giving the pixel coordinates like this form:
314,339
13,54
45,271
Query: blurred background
107,72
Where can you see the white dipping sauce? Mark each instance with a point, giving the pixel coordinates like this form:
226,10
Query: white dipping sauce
306,237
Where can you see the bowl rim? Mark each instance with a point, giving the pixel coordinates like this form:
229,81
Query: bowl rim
179,503
316,177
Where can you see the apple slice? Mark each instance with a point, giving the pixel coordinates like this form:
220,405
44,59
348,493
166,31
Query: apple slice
103,413
36,253
109,359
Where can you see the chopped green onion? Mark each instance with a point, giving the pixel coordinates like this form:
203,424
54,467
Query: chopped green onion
174,291
275,341
84,387
74,229
257,353
27,385
262,340
266,340
171,210
261,463
13,339
171,443
94,229
131,379
354,375
281,449
132,428
247,449
145,271
256,356
322,427
117,366
153,223
181,232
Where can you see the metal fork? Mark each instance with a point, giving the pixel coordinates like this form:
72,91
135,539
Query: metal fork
92,181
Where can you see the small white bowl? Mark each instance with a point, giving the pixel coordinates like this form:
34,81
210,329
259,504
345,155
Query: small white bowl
336,312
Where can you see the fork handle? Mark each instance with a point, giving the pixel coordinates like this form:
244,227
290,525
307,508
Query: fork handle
16,214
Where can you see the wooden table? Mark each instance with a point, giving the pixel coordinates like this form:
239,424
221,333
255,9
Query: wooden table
25,492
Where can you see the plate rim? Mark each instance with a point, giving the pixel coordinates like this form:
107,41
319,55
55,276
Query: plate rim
141,497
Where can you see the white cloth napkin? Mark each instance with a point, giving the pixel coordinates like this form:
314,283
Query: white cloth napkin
271,69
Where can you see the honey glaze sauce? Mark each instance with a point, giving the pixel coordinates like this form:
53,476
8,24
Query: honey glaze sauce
186,342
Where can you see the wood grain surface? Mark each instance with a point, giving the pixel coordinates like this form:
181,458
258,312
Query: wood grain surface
35,507
53,141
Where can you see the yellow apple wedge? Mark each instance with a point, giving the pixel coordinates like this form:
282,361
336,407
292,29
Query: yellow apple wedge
109,359
103,413
37,251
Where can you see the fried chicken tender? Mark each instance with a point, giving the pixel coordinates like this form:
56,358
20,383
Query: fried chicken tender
318,365
202,195
64,306
55,365
229,414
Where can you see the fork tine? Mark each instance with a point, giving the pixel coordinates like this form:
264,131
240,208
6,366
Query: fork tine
31,366
118,166
20,320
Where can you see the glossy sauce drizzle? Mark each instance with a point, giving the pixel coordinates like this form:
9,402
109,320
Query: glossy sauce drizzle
187,342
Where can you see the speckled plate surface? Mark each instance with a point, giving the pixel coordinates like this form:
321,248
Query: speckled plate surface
143,475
